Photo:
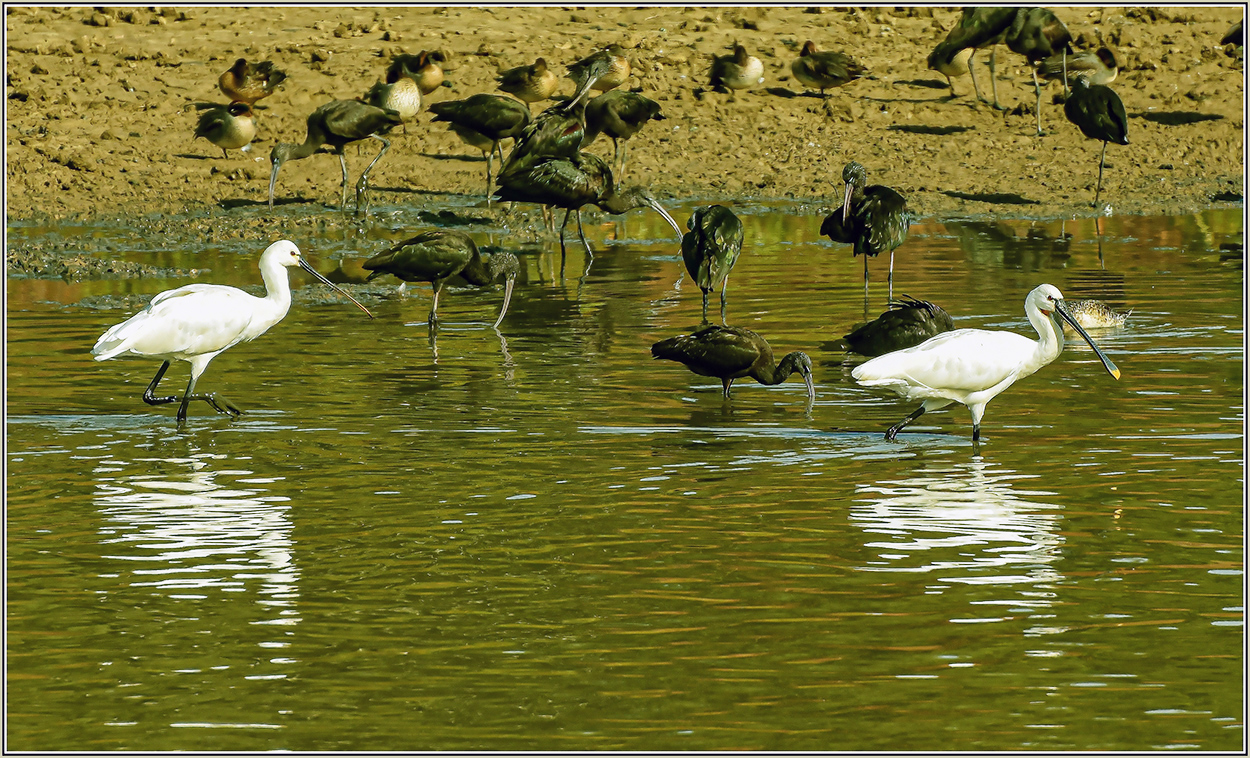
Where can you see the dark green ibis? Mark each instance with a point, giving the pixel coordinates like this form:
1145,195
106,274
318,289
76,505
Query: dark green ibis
229,127
339,123
906,324
619,115
874,218
556,132
822,70
532,84
438,255
1099,113
249,82
1037,34
493,117
731,352
1234,35
734,72
710,249
572,183
978,28
603,70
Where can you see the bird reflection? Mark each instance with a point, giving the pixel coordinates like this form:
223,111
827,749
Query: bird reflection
967,522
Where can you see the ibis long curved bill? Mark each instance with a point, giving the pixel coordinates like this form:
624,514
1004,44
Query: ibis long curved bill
308,267
655,206
1106,362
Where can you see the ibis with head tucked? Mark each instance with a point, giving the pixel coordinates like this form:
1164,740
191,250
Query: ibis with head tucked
198,322
907,323
973,366
437,256
731,352
710,249
1099,113
873,218
339,123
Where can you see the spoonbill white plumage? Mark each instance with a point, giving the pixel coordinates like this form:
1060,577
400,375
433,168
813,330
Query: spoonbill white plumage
972,366
197,322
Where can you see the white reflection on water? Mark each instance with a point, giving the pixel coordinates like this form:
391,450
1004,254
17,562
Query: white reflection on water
965,521
185,532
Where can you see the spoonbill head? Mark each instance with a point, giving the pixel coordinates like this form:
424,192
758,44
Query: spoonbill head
197,322
972,366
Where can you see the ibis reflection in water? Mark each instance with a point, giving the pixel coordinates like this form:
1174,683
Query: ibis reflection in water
907,323
873,218
731,352
710,249
339,123
437,256
972,366
197,322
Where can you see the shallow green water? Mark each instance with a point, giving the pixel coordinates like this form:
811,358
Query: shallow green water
542,539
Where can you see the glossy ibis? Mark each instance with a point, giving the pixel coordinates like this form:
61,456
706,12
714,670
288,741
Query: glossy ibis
710,249
229,127
731,352
247,82
1037,34
438,255
978,28
1099,113
619,115
338,123
972,366
494,117
737,71
873,218
533,83
822,70
1234,35
571,183
603,70
197,322
906,324
556,132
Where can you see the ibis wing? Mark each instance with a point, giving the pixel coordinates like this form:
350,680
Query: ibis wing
712,351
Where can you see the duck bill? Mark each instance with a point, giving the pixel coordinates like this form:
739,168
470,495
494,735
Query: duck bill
307,267
1106,362
507,298
846,202
273,180
660,209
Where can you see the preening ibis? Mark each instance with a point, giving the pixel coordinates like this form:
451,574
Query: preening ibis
873,218
1099,113
229,127
247,82
198,322
1037,34
620,115
493,117
822,70
571,183
710,249
438,255
907,323
339,123
533,83
972,366
602,70
731,352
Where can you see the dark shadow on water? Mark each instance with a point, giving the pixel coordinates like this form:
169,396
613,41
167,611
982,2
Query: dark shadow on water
1178,118
936,130
1002,198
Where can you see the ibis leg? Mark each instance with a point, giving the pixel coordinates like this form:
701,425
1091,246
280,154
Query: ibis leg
975,87
1101,161
590,254
893,431
705,306
1037,89
490,161
726,383
567,212
438,287
890,279
362,186
723,287
994,76
148,397
343,165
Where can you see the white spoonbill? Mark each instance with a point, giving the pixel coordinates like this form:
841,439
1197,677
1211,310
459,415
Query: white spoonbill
196,322
971,366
